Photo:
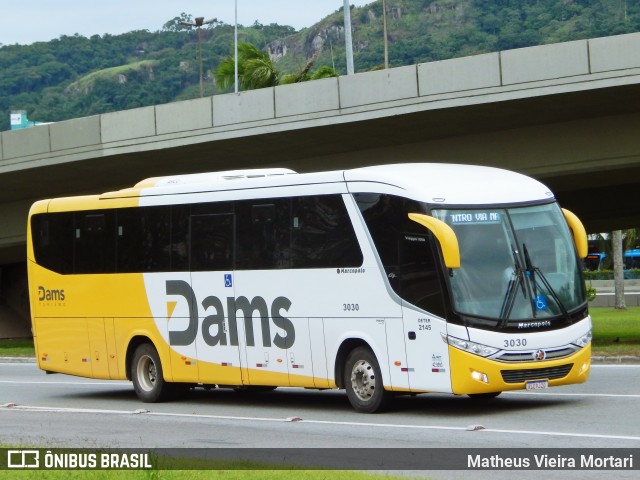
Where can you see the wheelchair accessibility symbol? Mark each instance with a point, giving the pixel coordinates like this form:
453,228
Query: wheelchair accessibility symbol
541,302
228,280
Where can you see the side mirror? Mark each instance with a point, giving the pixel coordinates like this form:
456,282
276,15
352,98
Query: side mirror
445,235
579,233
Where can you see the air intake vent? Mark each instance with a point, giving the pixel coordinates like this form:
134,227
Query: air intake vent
550,373
212,177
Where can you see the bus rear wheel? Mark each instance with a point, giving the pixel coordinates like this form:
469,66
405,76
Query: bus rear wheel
147,376
363,382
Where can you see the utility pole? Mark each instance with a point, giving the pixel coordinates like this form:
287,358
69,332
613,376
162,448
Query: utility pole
384,28
235,48
347,37
199,22
618,269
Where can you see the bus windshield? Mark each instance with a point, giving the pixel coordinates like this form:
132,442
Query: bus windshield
518,266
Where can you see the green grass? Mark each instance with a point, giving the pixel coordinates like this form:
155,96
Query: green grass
109,73
615,332
615,326
192,475
16,348
193,468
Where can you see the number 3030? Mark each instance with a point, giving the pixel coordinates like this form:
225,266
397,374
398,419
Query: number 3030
516,342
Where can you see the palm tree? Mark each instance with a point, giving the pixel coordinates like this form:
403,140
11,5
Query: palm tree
256,70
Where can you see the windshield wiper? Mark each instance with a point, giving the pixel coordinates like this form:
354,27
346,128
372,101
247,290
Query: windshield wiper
532,271
512,289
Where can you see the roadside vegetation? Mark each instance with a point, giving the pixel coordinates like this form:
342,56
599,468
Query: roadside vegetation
75,76
239,474
616,332
16,348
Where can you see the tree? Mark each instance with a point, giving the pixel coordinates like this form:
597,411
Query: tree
177,24
257,70
618,269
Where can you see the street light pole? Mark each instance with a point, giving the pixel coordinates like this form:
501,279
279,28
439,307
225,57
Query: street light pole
384,28
235,55
347,37
199,22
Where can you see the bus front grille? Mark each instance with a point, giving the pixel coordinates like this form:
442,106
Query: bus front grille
529,355
549,373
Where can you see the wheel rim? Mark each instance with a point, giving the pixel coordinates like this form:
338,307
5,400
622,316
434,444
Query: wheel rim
363,380
147,373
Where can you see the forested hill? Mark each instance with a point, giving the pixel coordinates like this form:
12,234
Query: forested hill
74,76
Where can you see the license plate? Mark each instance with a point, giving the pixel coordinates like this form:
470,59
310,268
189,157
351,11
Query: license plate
537,385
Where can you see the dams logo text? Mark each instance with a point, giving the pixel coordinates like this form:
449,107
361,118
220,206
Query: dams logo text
213,325
46,295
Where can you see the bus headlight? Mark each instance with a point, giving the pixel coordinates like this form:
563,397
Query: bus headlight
468,346
584,340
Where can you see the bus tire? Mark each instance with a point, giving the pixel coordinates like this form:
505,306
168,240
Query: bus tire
363,382
147,376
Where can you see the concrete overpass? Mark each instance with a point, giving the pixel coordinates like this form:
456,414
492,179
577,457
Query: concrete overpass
567,114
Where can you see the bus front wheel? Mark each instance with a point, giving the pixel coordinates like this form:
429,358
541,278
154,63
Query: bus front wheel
363,382
146,374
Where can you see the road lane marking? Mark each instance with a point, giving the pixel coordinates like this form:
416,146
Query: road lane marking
556,394
25,408
112,383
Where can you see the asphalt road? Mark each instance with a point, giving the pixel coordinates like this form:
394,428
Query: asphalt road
59,410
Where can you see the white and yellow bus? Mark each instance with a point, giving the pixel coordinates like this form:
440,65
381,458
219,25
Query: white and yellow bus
383,280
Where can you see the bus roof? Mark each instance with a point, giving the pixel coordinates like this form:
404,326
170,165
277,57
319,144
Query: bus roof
212,177
433,183
454,184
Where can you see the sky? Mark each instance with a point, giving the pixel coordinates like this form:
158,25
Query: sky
28,21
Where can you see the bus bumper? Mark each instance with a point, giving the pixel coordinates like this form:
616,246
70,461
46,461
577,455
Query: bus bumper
472,374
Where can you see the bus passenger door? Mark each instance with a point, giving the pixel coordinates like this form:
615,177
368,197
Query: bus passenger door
213,283
421,288
263,347
427,354
262,258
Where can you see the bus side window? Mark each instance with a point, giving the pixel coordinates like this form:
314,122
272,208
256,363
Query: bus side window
143,237
94,242
407,253
323,235
264,234
211,242
179,245
419,279
53,241
383,216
